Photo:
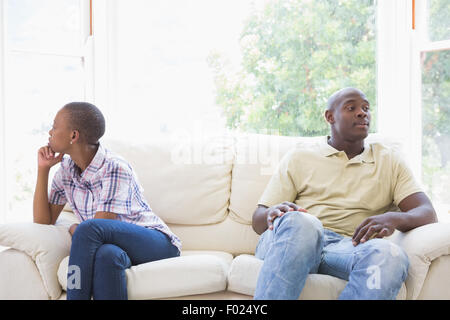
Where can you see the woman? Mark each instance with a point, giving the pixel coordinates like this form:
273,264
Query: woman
117,228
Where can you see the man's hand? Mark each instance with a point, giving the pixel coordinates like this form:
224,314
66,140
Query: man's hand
378,226
47,158
279,210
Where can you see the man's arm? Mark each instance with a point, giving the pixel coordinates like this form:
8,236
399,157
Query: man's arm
259,219
417,211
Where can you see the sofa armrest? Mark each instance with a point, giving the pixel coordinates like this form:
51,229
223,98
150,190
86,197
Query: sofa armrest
422,245
46,245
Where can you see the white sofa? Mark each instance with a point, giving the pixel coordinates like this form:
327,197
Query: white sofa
206,190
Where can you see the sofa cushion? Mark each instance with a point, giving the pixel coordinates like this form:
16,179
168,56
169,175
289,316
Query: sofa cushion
228,235
244,271
194,272
436,286
422,245
257,157
47,245
20,277
185,181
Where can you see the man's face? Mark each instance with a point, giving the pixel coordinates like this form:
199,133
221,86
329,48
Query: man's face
350,117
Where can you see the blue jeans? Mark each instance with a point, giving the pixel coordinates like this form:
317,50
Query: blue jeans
101,251
299,245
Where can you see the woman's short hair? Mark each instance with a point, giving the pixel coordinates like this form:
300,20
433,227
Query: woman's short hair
87,119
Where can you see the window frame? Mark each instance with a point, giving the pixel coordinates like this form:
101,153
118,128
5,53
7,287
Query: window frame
3,205
399,46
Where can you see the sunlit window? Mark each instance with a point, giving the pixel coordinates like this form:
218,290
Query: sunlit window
435,65
44,71
248,65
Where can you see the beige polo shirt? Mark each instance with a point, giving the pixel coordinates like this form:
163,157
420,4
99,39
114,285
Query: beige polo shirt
340,192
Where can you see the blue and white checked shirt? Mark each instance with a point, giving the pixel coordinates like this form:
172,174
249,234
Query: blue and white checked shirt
108,184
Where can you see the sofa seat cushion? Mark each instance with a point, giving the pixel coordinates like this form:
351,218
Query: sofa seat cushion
244,271
194,272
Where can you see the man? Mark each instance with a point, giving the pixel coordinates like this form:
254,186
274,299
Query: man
327,208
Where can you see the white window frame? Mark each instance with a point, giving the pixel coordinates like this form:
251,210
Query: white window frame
393,76
3,205
399,73
104,57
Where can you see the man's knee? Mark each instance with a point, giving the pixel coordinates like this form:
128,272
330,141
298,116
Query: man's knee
390,257
301,221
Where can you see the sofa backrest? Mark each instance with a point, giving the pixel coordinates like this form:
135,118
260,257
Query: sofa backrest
207,189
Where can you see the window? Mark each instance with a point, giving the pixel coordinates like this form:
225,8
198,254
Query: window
433,38
262,66
413,87
45,68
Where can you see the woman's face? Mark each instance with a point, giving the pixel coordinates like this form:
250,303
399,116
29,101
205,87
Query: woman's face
60,133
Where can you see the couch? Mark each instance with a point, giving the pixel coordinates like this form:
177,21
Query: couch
206,189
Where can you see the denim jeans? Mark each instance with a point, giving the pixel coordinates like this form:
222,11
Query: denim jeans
299,245
103,249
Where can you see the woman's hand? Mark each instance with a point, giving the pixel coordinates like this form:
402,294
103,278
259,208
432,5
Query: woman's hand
47,158
72,228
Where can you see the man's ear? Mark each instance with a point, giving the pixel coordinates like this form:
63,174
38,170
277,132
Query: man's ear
329,117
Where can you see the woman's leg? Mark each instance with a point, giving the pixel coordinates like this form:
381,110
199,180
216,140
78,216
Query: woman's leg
110,282
139,244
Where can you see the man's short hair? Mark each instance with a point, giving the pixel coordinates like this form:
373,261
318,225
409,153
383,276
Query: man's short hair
334,97
87,119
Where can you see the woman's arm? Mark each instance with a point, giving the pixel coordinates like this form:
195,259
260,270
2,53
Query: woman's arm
43,212
98,215
105,215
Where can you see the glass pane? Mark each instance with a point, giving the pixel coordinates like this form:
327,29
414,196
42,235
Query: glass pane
252,65
439,20
436,129
43,25
36,87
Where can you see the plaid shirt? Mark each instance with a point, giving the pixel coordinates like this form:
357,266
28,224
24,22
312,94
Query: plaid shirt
108,184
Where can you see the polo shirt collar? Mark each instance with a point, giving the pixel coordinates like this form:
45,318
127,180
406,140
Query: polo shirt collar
365,157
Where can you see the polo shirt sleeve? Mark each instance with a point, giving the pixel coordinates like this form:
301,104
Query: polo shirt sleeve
281,186
116,193
57,194
404,182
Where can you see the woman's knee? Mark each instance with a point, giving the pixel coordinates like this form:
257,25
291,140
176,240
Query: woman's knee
110,255
86,229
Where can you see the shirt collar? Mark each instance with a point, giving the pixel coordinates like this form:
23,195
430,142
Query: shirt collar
365,157
92,168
